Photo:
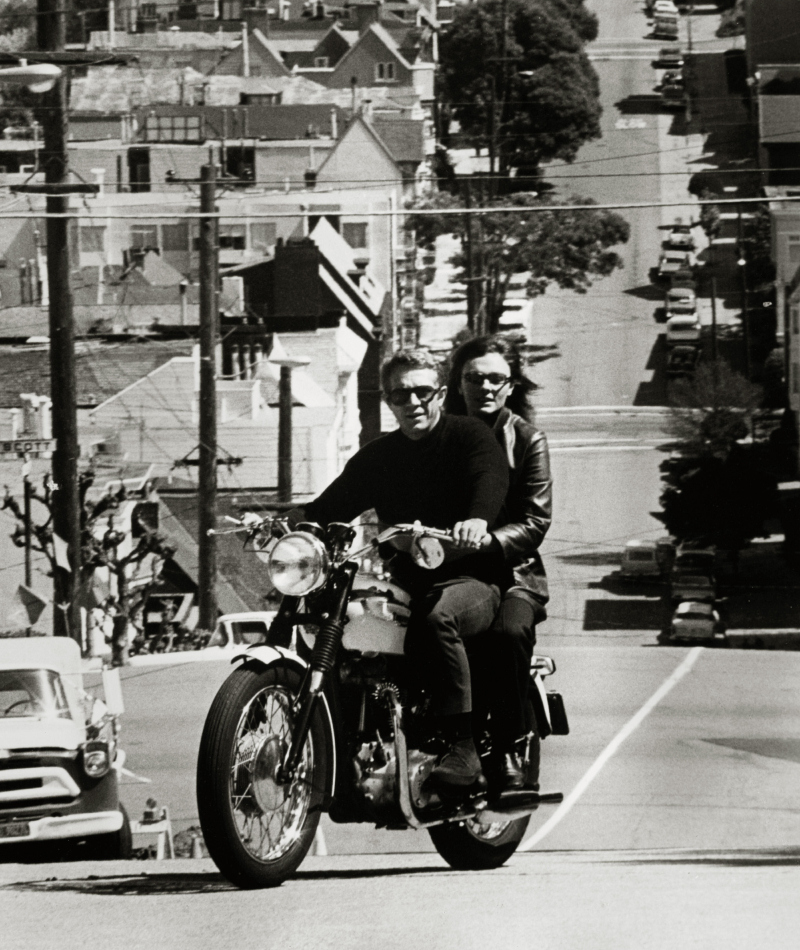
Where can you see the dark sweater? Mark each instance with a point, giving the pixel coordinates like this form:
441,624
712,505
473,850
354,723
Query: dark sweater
455,473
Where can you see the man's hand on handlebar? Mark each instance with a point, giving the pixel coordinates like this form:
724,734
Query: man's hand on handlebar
472,534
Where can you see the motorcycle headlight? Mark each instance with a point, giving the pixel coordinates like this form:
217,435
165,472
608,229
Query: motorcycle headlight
298,564
96,759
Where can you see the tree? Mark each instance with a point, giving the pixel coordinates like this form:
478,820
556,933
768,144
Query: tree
713,410
535,74
717,489
567,246
103,545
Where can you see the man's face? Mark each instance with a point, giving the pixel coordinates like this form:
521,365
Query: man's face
415,396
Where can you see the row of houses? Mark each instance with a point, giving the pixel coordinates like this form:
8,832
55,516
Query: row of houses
321,125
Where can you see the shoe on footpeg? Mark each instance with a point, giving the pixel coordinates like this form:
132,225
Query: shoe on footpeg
459,767
513,772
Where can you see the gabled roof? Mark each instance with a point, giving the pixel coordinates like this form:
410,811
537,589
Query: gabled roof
101,369
404,138
384,36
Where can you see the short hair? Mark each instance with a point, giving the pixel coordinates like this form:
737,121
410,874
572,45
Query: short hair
410,359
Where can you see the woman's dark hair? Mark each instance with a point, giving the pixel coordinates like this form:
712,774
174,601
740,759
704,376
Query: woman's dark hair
518,399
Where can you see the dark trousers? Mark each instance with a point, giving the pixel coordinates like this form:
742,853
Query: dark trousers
442,620
501,664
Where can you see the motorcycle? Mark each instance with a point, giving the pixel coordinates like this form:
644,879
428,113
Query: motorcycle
325,717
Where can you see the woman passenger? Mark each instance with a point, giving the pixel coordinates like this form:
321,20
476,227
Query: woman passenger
486,381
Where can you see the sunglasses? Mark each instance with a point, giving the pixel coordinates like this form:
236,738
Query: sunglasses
495,380
402,397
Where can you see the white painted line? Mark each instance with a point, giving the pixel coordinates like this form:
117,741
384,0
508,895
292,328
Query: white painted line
136,778
604,448
319,847
594,769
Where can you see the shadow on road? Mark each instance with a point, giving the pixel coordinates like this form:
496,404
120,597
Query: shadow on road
623,614
769,857
640,104
140,885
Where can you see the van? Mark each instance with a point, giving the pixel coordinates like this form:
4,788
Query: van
646,558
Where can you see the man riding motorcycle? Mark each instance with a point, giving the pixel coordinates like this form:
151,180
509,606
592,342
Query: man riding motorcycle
446,472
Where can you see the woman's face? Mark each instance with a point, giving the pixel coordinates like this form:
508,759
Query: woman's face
485,384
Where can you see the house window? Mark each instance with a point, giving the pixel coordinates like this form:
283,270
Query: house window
172,128
384,72
796,378
320,62
145,236
795,312
175,237
355,234
232,237
794,248
263,236
92,240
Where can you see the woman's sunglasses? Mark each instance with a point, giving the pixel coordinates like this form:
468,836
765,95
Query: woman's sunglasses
495,380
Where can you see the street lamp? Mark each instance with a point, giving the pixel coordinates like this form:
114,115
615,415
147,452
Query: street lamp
287,364
39,77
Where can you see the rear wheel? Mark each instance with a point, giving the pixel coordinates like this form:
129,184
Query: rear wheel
256,829
481,845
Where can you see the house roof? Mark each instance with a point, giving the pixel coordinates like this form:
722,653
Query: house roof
779,119
404,138
18,324
101,369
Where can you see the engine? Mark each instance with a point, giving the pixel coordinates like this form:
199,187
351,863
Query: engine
376,777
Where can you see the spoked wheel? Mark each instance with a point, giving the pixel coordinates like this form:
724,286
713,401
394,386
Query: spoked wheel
257,829
477,844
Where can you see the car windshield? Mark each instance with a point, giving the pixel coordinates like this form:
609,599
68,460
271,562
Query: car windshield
32,694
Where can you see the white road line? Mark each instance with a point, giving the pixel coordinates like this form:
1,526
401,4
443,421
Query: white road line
594,769
603,448
135,777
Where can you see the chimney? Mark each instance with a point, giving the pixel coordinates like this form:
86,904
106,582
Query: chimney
245,52
366,14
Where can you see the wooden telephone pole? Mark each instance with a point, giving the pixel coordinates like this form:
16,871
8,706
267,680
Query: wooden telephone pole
209,335
66,507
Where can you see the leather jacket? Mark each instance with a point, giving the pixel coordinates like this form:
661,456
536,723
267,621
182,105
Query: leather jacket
527,510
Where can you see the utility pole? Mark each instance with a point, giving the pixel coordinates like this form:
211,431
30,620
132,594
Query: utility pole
207,469
51,34
471,308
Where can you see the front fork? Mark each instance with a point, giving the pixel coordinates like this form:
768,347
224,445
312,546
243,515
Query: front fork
323,659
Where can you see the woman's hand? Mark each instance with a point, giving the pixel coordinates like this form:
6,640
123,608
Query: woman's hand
472,534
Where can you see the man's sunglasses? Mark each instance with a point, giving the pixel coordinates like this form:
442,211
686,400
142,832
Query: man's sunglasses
402,397
495,380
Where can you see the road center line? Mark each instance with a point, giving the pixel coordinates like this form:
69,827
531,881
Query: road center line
594,769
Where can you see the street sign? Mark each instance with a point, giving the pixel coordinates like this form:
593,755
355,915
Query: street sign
17,448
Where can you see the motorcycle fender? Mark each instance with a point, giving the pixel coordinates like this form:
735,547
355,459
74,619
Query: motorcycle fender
541,707
266,656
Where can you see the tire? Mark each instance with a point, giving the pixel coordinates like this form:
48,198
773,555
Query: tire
471,846
474,846
112,846
257,831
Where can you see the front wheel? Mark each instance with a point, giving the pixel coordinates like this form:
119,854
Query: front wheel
256,829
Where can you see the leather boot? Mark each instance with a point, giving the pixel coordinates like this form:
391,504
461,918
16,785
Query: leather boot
459,766
513,773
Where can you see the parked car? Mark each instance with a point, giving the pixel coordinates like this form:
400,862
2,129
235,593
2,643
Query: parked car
680,300
673,260
671,57
697,556
233,633
683,328
643,559
673,95
682,360
695,620
59,755
692,586
665,24
672,77
680,235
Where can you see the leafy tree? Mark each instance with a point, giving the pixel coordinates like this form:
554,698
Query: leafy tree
546,92
757,247
717,489
102,546
568,246
713,410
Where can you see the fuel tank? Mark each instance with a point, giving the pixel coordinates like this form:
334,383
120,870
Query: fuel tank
377,617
